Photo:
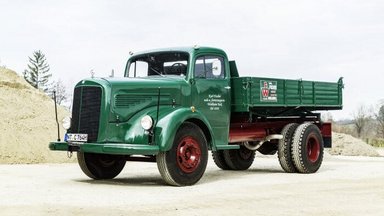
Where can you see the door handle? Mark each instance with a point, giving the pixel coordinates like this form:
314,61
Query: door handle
227,87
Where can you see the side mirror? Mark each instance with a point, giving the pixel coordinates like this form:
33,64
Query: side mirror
216,68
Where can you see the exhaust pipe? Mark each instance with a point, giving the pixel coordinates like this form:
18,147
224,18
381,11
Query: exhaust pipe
261,142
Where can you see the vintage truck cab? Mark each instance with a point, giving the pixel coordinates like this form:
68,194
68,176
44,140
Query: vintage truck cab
176,104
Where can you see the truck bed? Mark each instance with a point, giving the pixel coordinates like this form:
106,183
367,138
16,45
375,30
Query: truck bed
269,96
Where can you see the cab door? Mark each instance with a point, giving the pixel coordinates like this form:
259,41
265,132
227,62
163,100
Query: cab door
211,94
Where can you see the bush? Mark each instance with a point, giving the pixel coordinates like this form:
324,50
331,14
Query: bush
375,142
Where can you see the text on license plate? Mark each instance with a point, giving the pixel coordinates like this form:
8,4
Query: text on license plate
76,137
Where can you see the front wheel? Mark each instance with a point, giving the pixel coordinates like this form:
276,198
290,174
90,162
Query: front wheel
185,163
100,166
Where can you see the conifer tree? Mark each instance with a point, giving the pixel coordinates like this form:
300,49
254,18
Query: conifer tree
37,73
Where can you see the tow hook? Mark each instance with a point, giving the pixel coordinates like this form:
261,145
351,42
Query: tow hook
71,149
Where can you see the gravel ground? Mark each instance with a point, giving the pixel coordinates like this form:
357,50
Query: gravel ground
380,151
343,186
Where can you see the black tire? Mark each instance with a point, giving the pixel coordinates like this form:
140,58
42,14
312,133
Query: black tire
307,148
285,148
100,166
218,158
268,148
239,159
185,163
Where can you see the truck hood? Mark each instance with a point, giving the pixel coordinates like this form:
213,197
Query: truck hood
124,97
147,82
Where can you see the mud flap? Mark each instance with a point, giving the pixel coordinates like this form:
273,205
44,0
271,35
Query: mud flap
326,132
327,142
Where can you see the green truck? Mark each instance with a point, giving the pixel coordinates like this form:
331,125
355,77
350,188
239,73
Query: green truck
174,105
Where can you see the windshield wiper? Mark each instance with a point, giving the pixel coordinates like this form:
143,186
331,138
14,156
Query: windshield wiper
153,69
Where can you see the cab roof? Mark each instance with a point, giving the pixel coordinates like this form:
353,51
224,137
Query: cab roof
192,50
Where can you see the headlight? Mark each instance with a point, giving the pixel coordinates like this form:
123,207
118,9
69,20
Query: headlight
146,122
66,123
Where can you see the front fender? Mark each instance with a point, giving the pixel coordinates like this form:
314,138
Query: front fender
169,123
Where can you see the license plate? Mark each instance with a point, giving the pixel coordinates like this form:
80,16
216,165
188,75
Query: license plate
76,137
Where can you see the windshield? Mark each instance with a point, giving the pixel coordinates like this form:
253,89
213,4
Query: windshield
158,64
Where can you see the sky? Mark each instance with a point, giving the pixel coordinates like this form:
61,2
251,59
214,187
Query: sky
296,39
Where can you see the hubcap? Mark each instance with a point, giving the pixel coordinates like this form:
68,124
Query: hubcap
188,154
313,148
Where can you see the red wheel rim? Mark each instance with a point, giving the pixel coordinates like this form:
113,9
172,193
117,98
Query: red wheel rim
313,148
188,154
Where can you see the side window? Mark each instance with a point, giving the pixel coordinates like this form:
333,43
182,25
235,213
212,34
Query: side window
209,67
138,69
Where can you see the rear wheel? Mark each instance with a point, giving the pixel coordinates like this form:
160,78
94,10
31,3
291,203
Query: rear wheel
307,148
285,148
100,166
218,158
239,159
185,163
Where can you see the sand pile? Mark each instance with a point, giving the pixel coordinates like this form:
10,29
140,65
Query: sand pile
27,122
343,144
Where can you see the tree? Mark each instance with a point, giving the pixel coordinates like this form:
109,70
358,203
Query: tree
360,119
327,117
37,73
380,121
61,93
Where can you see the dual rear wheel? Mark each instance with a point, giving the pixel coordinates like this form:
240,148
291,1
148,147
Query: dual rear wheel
301,149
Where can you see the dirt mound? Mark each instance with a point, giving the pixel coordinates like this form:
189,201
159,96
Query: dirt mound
343,144
27,122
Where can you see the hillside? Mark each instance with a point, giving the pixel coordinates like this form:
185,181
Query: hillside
27,122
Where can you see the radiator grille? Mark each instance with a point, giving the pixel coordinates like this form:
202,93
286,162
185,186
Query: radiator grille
86,111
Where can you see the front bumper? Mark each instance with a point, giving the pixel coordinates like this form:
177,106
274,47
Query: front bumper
106,148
